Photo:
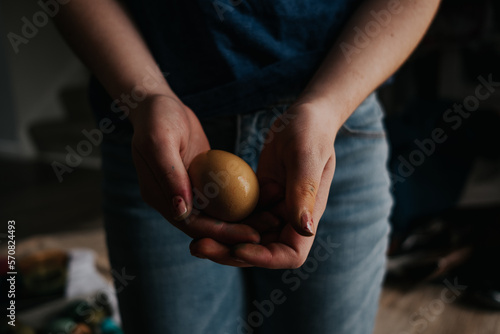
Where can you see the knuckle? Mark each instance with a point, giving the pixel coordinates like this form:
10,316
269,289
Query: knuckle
298,150
155,139
314,151
171,174
150,140
307,189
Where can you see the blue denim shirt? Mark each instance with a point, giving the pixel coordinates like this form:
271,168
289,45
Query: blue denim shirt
233,56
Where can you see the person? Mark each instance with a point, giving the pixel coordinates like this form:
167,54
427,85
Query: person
302,72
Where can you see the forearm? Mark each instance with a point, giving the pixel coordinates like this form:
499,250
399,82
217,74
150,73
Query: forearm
105,38
354,68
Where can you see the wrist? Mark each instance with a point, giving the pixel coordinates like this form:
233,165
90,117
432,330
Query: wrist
153,101
325,106
134,90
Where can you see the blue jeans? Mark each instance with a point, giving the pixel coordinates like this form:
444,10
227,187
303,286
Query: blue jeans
166,290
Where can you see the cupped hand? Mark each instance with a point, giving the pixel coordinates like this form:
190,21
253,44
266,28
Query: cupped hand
295,172
167,136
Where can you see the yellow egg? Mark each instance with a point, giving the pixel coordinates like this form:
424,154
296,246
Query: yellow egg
224,185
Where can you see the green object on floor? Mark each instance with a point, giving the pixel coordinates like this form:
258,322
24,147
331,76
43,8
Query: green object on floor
108,326
61,326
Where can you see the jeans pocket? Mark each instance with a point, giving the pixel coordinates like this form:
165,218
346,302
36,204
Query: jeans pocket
253,130
366,120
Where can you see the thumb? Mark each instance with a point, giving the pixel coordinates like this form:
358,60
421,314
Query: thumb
170,175
302,182
175,183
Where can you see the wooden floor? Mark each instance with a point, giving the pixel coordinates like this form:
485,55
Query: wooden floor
67,215
423,310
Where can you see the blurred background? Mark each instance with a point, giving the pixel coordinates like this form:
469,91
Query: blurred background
445,167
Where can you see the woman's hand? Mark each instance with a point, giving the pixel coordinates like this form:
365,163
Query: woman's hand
296,167
295,172
167,136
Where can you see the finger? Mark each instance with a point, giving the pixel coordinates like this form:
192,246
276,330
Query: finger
263,221
324,187
276,255
272,256
210,249
269,237
167,167
270,192
303,175
198,226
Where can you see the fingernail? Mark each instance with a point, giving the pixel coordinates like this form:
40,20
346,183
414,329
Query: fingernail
307,223
180,208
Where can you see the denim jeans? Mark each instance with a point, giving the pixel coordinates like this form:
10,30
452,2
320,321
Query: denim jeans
335,291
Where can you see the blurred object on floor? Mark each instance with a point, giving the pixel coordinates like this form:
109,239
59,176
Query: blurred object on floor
43,273
462,243
483,185
92,238
432,309
81,300
92,314
83,317
41,277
